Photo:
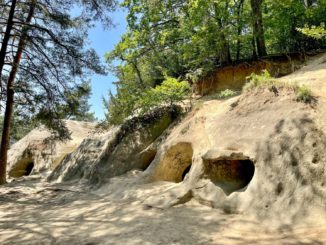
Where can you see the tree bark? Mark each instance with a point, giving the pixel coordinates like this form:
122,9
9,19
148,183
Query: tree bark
239,12
258,28
5,140
254,52
5,40
223,44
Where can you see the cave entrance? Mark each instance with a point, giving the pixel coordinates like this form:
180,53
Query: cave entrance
230,174
29,169
146,159
24,167
176,163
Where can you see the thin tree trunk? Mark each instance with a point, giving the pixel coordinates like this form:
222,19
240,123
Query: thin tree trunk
5,40
141,81
239,12
254,52
258,28
223,44
5,140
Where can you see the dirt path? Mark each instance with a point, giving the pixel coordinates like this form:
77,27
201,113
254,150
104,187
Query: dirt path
38,213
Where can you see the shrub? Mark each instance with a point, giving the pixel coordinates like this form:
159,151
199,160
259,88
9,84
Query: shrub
257,81
304,94
132,101
227,94
169,92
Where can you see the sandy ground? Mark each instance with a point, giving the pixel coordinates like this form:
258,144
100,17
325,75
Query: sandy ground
34,212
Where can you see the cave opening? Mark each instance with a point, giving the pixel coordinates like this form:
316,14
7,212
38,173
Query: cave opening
147,158
29,168
176,163
186,171
230,174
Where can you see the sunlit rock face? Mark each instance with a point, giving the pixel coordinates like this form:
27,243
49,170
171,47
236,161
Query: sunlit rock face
260,153
117,151
35,153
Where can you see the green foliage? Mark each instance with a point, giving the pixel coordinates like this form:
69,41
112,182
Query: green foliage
132,101
77,107
227,94
169,92
258,81
189,39
304,94
56,60
20,126
317,32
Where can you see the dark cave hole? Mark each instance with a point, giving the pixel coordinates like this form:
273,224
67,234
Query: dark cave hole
230,175
29,168
186,171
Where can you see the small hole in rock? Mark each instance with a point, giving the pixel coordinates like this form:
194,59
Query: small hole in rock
279,188
186,171
29,168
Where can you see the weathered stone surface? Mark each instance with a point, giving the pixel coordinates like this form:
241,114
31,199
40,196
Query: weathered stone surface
117,151
257,154
35,154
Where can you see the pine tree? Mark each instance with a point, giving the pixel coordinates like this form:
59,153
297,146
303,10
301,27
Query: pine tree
46,61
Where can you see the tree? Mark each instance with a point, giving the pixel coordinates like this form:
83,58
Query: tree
46,61
189,39
258,27
168,93
5,40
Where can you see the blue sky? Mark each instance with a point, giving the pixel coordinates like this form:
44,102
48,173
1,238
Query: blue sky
103,41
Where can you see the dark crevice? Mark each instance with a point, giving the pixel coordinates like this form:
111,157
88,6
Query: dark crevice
29,168
186,171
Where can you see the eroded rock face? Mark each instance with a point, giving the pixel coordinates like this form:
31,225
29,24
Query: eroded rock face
246,161
260,153
116,152
234,77
35,154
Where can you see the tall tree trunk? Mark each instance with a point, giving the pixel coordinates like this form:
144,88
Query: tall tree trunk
239,12
254,52
223,44
258,28
5,140
5,40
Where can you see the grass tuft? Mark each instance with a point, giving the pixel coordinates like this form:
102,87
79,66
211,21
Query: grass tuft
265,80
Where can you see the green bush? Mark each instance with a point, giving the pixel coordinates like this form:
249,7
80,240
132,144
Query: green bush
304,94
168,93
316,32
227,94
132,101
257,81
